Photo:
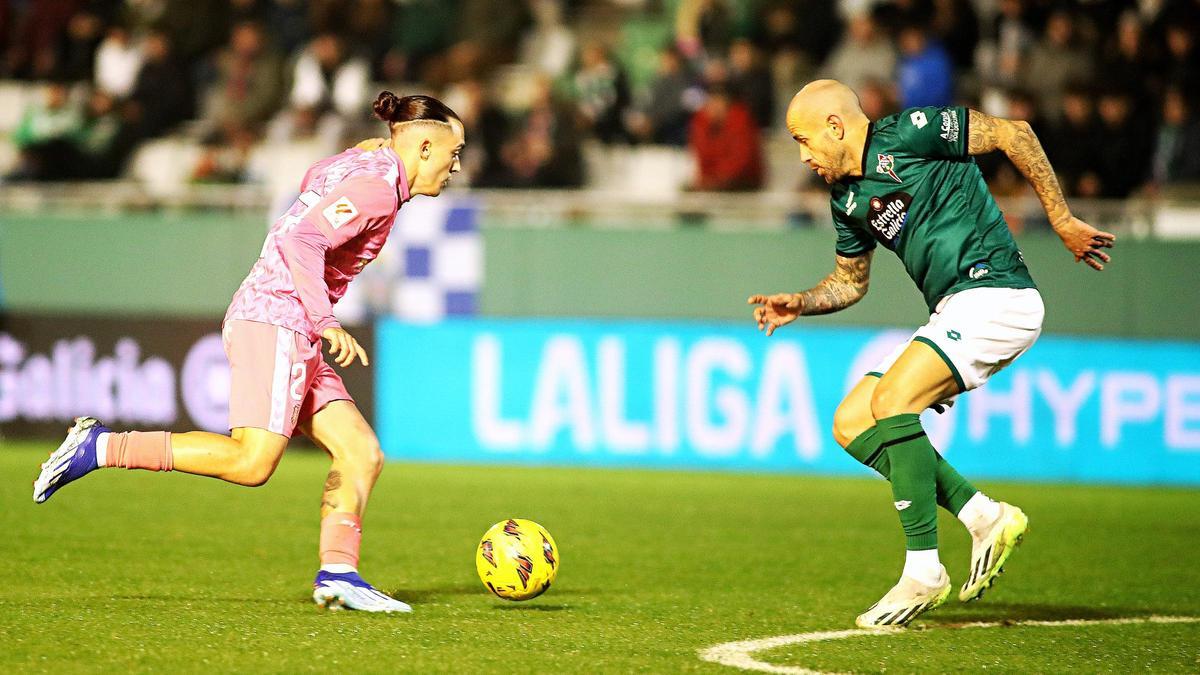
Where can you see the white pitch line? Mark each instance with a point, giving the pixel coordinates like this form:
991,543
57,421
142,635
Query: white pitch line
739,654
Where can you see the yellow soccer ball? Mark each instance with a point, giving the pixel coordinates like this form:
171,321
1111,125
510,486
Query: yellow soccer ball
517,559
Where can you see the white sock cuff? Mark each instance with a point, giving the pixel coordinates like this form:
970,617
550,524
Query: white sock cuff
924,566
102,450
339,568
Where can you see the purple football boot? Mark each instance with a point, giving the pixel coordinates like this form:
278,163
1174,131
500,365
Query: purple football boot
333,591
74,459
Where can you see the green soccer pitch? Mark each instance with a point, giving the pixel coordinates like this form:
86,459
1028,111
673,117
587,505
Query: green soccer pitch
129,571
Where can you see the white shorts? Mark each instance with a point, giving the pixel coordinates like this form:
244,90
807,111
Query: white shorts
979,331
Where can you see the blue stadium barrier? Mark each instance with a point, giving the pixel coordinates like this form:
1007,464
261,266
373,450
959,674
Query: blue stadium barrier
724,397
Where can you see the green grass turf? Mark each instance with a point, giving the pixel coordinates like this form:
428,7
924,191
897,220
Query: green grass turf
136,571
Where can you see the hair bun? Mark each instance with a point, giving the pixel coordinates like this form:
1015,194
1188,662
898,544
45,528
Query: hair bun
386,105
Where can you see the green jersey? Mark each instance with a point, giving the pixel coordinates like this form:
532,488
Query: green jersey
922,196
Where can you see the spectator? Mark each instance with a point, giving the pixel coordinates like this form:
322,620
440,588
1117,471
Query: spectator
703,28
809,27
750,81
46,136
876,98
118,61
1127,61
1177,151
956,26
420,29
1005,46
1182,64
862,55
924,74
162,95
487,127
197,27
34,51
544,151
77,50
1124,157
601,94
494,27
105,140
328,88
1056,60
548,46
247,91
1072,140
726,144
663,116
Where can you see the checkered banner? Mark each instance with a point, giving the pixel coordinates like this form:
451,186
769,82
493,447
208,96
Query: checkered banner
431,267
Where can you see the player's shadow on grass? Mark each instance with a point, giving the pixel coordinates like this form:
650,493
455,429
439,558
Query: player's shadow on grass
1001,612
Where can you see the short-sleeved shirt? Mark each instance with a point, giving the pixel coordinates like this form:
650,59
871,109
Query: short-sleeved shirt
922,196
338,224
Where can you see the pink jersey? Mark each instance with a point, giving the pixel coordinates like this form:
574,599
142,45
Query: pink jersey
339,223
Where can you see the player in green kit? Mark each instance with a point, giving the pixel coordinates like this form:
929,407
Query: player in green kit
908,182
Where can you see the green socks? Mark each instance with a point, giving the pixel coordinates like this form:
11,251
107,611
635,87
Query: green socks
913,465
953,490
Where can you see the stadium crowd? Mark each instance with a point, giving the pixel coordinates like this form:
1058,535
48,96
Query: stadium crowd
1110,85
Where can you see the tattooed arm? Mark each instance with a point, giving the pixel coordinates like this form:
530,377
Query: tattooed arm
846,285
1017,140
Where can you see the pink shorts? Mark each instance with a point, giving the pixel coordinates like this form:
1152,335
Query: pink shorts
277,377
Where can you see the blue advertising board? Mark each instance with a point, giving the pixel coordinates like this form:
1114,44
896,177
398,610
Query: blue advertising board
705,396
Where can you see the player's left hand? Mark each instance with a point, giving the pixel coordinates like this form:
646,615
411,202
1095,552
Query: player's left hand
371,144
343,347
1085,242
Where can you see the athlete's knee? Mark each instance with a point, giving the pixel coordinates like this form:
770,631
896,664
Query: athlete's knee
849,422
375,460
365,459
256,463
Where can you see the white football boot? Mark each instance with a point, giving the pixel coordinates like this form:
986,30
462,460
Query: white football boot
990,550
907,600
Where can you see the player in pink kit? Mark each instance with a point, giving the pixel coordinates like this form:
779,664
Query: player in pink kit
272,335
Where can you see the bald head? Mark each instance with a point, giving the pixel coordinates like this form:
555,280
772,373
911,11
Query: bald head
826,119
821,98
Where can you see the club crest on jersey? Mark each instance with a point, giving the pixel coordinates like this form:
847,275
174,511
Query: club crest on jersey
887,165
340,212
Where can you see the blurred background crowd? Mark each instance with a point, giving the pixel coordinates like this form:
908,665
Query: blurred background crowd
1110,86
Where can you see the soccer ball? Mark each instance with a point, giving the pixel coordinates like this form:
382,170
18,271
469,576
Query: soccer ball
517,559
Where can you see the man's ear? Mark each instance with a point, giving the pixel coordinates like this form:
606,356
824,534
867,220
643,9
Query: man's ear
835,126
426,148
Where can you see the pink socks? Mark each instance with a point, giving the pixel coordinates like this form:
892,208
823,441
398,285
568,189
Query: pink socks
341,534
149,450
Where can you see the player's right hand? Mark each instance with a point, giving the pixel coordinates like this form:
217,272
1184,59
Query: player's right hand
343,347
775,311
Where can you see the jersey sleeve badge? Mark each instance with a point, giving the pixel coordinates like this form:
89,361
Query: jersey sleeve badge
340,212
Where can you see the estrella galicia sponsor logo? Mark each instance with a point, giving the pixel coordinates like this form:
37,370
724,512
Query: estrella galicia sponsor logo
886,216
979,271
950,125
887,166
